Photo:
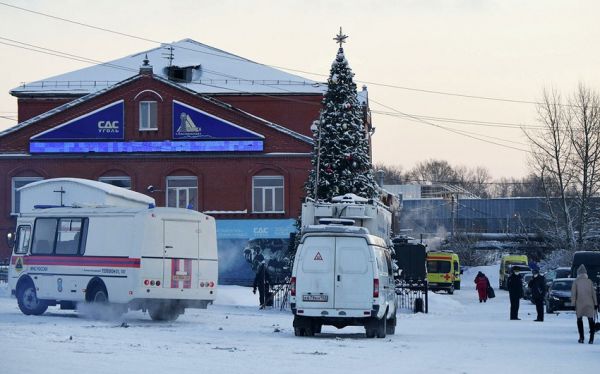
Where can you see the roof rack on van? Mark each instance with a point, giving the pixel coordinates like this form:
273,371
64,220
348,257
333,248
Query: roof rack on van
337,229
336,221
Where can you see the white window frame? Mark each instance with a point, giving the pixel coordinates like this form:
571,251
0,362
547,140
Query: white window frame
179,190
147,105
273,189
107,180
14,208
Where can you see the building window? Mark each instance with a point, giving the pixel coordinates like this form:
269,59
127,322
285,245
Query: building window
182,192
17,183
123,182
148,116
267,194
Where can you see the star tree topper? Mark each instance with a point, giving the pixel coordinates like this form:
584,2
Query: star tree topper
340,38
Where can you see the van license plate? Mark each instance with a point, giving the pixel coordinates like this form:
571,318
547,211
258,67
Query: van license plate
315,298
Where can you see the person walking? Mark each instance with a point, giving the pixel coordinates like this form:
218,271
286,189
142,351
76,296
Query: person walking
537,285
262,281
583,296
515,293
481,285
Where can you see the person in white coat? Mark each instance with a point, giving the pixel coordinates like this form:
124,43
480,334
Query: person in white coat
583,296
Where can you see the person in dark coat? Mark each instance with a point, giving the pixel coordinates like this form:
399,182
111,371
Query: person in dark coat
481,285
515,293
262,281
537,285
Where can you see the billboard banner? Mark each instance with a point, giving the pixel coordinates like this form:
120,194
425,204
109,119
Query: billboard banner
193,123
255,228
103,123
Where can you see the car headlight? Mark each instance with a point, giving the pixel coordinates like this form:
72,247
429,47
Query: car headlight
555,298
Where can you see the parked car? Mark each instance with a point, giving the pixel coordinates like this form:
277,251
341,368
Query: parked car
525,278
559,295
561,272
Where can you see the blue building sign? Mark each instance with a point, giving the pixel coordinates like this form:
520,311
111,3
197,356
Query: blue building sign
255,228
106,123
193,123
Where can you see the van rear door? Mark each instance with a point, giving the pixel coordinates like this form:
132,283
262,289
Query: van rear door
181,250
315,273
353,275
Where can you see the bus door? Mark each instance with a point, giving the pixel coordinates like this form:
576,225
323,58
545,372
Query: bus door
181,251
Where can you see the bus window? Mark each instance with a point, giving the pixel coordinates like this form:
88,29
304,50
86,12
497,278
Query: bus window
44,235
23,239
69,236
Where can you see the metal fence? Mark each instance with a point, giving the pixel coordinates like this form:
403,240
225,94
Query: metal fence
412,296
281,296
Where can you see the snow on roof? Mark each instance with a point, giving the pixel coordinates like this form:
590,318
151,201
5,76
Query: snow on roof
217,72
79,192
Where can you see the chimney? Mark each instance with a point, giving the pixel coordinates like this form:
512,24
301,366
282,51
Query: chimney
146,68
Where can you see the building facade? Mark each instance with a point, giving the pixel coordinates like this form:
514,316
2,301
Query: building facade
203,130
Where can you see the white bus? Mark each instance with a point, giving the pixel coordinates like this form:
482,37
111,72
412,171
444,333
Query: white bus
162,260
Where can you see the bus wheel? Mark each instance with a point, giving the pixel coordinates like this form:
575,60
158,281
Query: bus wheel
28,301
163,312
98,307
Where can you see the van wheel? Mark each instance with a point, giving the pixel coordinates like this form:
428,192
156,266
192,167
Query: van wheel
382,327
309,331
298,331
28,301
163,312
370,332
451,290
390,328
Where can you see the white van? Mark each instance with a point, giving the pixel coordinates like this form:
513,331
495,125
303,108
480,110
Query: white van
342,276
162,260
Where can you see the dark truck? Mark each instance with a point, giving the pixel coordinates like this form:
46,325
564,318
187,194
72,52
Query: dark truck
591,261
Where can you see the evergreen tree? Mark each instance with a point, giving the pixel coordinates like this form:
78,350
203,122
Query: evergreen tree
341,140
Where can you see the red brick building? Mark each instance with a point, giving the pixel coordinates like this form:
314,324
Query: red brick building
202,129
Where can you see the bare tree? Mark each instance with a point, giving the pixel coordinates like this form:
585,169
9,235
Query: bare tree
435,171
584,133
393,174
551,158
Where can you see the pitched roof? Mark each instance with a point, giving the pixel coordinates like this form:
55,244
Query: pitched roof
217,72
90,96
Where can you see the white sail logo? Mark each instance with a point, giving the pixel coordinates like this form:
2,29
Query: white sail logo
187,127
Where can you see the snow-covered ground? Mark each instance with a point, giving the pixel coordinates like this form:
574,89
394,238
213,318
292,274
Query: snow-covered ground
459,335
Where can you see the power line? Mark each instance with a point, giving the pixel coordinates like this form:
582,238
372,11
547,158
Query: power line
53,52
437,92
449,129
56,53
461,121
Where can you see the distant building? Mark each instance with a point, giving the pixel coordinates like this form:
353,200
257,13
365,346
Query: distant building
187,124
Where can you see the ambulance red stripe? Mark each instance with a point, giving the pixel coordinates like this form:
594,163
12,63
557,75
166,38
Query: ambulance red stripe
174,269
118,262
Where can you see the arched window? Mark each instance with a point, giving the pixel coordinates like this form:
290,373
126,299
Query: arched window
18,182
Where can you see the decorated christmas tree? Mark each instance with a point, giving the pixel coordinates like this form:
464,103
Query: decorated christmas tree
341,158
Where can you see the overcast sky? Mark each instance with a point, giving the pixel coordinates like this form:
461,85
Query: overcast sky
510,49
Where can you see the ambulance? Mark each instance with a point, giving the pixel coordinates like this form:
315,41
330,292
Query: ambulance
119,251
518,262
443,271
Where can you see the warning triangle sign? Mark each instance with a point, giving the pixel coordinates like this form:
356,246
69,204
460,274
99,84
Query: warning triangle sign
318,257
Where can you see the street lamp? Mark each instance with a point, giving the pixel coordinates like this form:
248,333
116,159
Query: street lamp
316,127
